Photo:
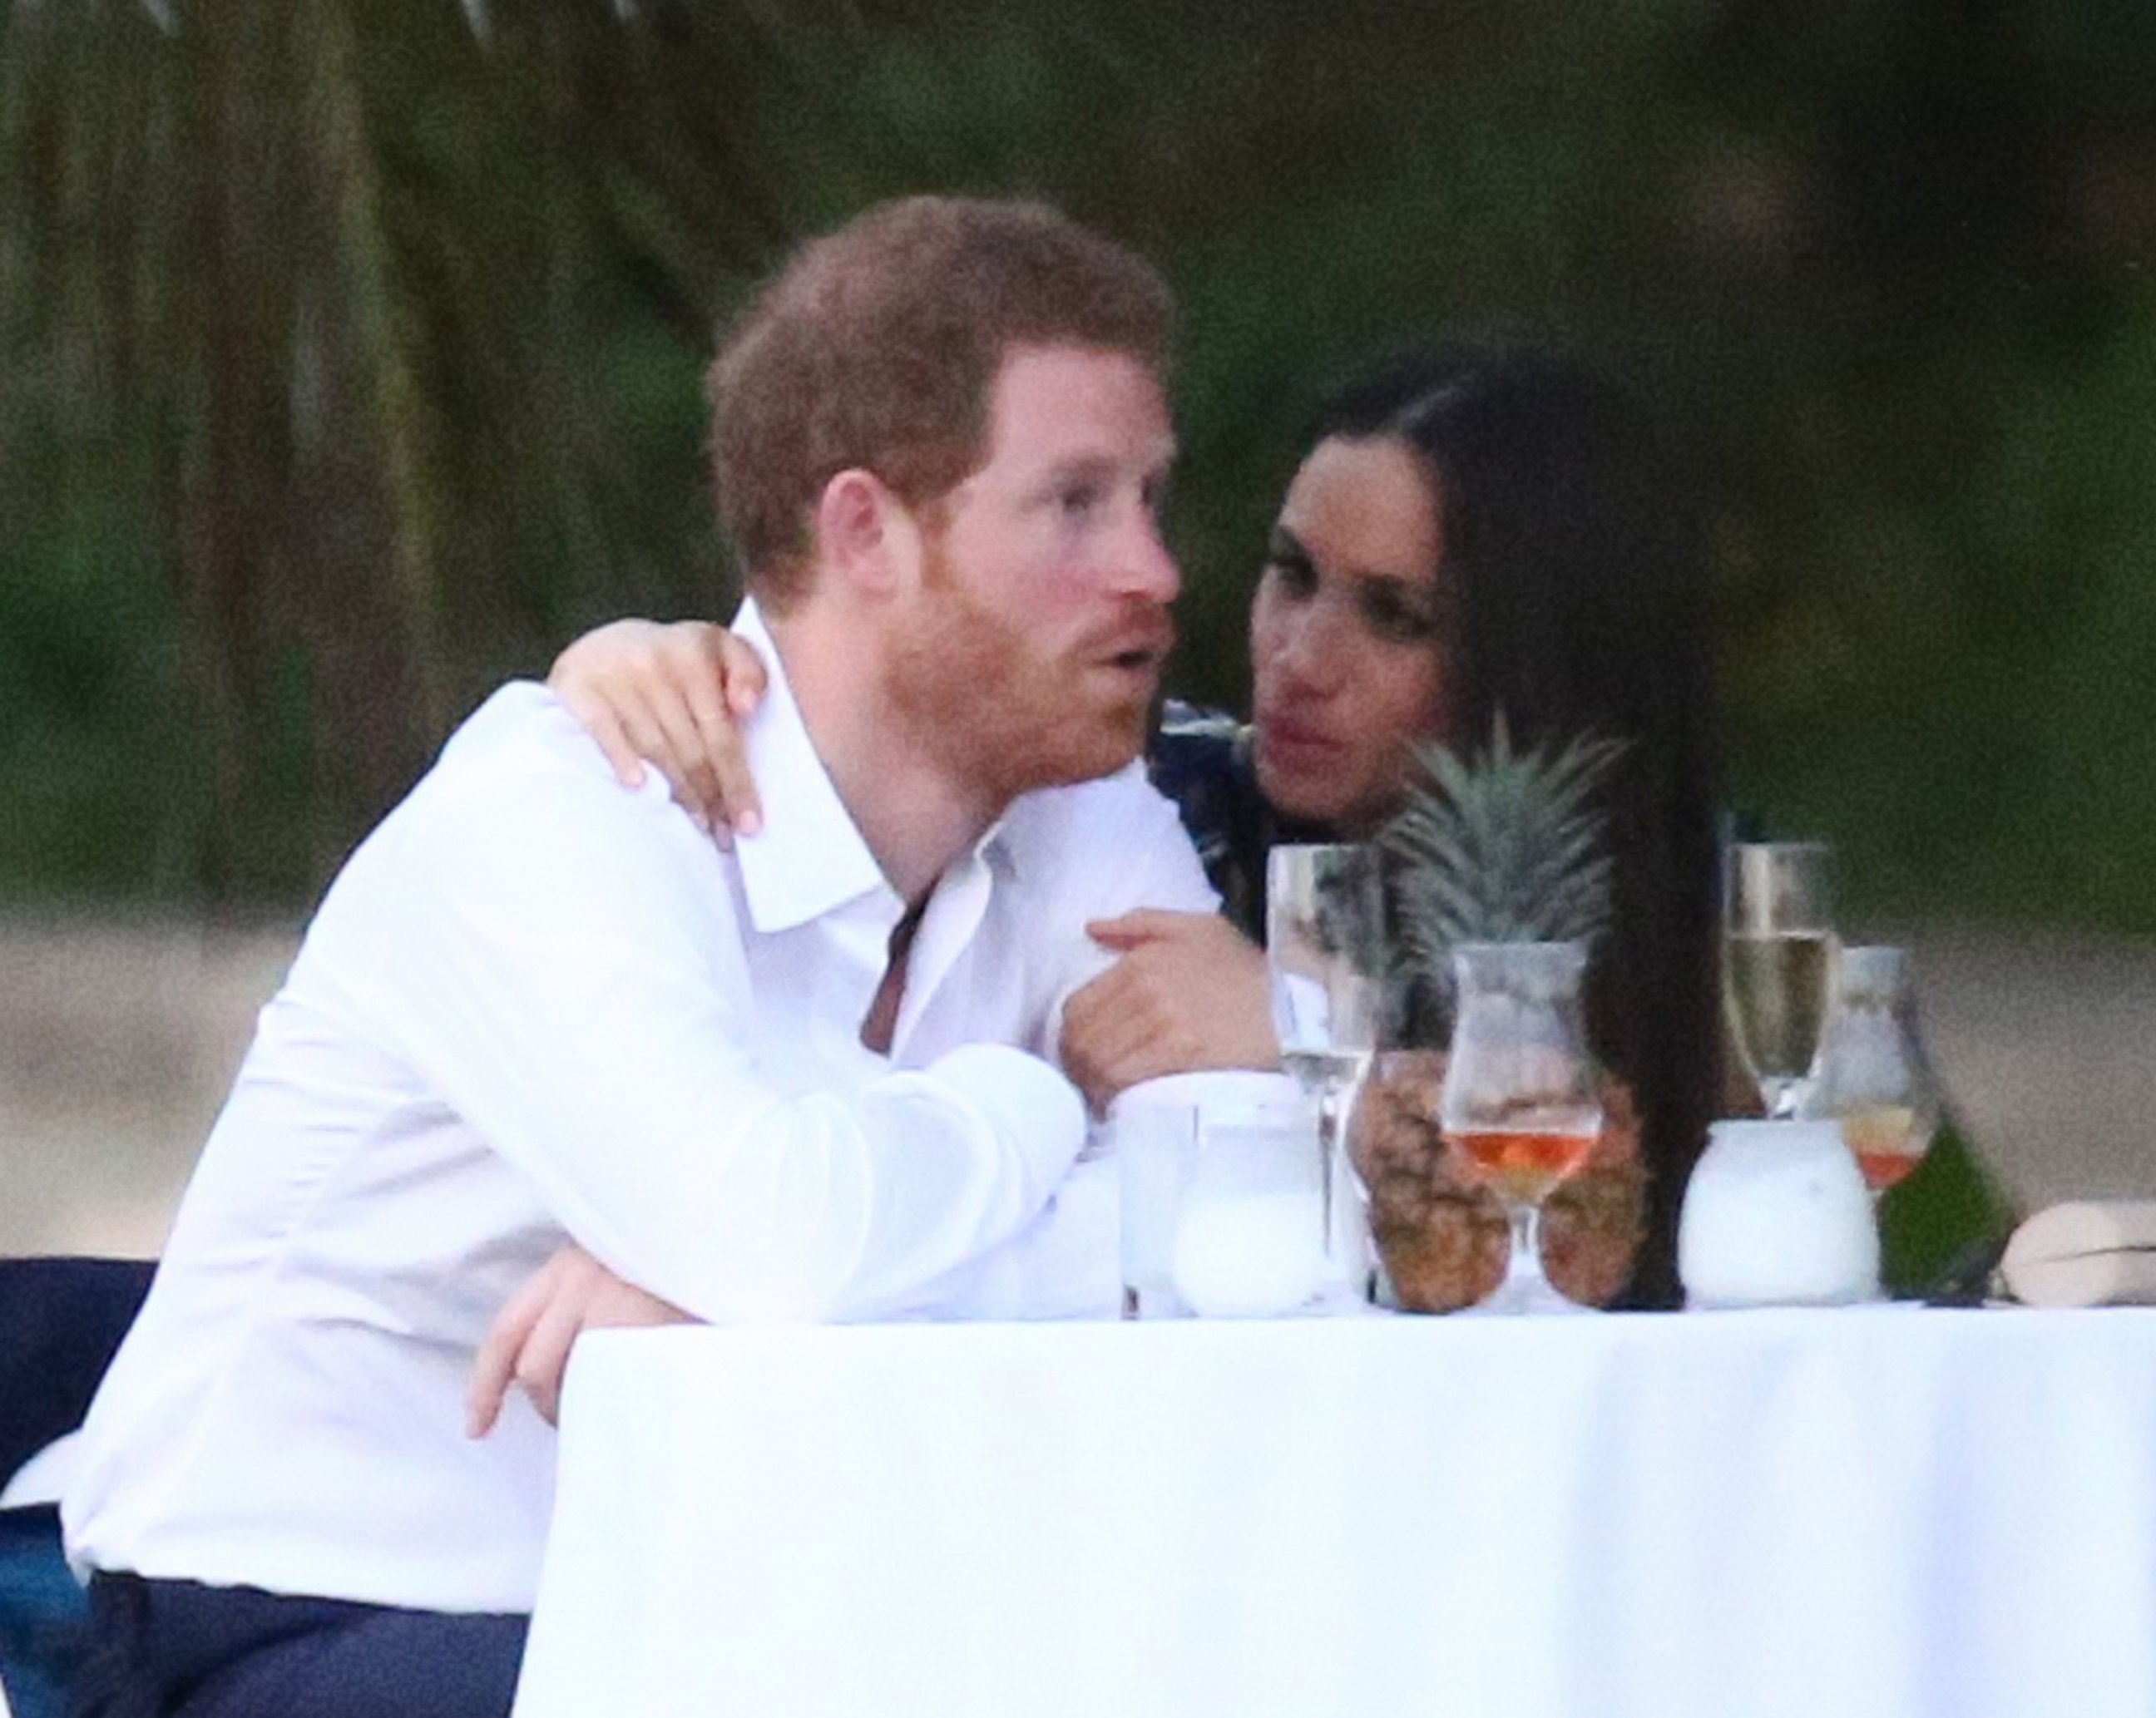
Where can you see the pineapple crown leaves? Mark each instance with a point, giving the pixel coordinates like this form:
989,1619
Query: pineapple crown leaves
1504,847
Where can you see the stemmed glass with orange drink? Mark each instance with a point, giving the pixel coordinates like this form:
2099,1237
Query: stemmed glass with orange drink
1520,1108
1872,1075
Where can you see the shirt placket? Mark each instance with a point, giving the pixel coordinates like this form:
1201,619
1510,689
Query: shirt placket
947,929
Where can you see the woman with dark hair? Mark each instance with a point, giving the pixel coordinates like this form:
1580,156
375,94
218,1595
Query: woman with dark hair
1568,599
1472,533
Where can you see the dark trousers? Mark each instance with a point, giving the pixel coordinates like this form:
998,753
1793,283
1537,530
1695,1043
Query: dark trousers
177,1650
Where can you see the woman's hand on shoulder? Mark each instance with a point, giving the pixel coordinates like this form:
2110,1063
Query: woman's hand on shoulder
1187,990
672,696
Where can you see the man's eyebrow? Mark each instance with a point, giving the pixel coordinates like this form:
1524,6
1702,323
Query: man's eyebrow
1097,463
1086,465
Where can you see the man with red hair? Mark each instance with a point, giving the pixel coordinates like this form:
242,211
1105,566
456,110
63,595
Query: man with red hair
803,1079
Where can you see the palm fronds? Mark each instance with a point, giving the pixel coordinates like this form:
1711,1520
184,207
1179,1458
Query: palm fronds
358,312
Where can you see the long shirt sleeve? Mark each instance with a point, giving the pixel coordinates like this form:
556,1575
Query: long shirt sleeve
533,1006
571,977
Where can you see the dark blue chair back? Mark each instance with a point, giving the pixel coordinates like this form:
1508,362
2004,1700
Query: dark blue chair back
60,1320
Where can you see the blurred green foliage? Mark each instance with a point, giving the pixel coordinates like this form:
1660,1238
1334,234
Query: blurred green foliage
350,356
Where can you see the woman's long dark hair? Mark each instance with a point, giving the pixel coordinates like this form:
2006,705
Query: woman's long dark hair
1580,586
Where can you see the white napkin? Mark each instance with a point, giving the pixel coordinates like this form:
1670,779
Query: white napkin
2085,1252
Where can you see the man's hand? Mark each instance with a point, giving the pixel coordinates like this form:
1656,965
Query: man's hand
530,1338
1189,991
672,696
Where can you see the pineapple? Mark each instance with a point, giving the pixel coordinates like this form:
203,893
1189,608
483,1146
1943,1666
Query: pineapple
1504,847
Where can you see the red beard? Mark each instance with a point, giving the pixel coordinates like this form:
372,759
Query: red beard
1004,715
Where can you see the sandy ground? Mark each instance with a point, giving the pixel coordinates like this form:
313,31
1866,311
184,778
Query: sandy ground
117,1041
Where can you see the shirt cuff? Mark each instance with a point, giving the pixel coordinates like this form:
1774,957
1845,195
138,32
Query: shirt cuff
1028,1105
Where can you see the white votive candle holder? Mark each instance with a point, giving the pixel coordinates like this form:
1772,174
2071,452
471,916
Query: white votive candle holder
1776,1214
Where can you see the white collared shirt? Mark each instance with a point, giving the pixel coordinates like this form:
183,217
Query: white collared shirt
535,1007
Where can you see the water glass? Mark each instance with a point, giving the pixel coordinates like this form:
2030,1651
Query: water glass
1325,959
1224,1207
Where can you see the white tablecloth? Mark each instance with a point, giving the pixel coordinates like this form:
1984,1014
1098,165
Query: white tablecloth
1887,1510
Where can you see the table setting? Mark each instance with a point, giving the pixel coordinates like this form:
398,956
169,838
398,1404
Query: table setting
1428,995
1781,1208
1362,1439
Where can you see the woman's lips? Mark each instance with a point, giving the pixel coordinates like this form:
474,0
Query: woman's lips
1294,745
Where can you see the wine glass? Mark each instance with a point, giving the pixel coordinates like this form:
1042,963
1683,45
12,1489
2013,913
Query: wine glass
1520,1108
1324,942
1872,1075
1777,945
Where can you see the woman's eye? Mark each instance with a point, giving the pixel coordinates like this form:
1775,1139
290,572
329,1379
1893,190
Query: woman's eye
1290,569
1396,616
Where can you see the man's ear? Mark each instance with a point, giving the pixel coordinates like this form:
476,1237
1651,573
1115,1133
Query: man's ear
865,535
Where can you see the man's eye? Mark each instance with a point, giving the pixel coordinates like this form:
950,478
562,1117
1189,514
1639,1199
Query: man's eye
1081,500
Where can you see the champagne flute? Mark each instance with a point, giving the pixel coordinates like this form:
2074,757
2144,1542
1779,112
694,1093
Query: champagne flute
1520,1108
1873,1077
1777,947
1324,939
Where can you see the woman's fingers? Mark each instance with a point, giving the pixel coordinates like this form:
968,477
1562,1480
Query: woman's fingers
742,671
673,697
715,788
1147,924
596,677
721,680
631,731
677,746
735,802
600,722
656,724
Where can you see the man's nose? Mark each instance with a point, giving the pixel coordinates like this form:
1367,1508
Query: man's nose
1144,567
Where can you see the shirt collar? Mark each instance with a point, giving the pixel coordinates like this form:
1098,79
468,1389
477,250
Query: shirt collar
809,859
